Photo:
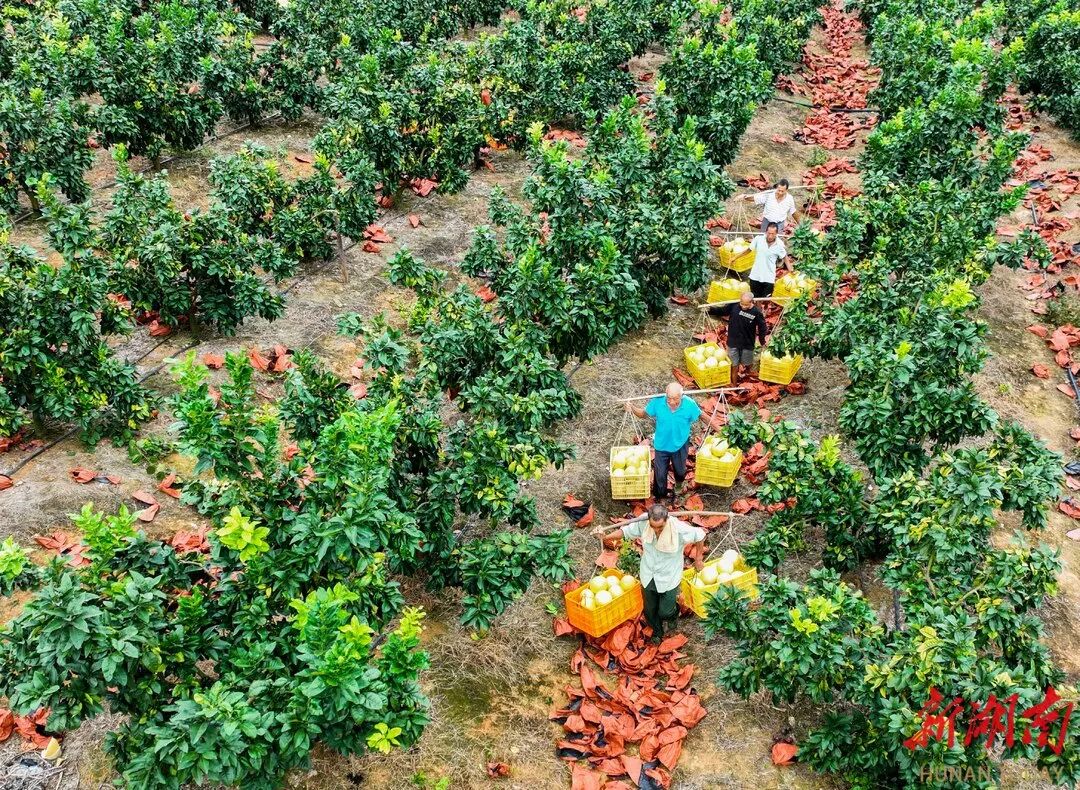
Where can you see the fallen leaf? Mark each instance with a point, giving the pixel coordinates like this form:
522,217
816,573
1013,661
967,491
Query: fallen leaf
778,139
587,519
258,361
1067,390
145,497
694,502
485,293
213,361
1041,371
784,753
498,770
572,501
1072,534
302,158
5,482
608,559
414,220
679,299
562,627
1069,508
82,475
7,724
166,486
147,515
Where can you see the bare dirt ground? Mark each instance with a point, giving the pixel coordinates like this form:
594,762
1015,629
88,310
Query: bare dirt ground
491,698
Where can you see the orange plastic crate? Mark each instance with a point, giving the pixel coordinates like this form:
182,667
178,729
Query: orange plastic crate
726,290
630,486
731,258
600,620
713,472
697,597
718,376
779,371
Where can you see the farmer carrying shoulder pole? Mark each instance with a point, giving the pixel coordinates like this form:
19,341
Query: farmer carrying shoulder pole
662,542
779,206
674,415
745,320
769,252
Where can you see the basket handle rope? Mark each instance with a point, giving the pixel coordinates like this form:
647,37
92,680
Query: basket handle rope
721,399
629,427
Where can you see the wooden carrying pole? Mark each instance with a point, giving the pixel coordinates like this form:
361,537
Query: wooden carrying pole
733,301
685,392
727,513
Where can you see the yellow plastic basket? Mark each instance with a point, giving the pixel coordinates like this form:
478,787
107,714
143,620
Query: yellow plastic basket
731,258
726,290
714,472
786,288
630,486
600,620
696,597
718,376
779,371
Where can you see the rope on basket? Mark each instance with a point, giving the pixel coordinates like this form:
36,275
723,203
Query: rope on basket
631,421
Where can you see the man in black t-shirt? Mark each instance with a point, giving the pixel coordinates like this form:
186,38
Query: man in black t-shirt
745,319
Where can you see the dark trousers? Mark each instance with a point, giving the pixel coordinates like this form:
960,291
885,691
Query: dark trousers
659,608
760,290
664,459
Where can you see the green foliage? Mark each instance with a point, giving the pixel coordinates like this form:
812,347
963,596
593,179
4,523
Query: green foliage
719,81
778,29
496,571
16,570
821,491
197,266
1050,67
104,534
54,362
314,396
150,71
299,215
801,641
915,246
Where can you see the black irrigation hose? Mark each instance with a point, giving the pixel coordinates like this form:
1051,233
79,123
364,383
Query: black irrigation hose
810,106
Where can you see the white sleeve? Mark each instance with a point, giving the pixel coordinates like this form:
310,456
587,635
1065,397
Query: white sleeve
690,534
790,202
633,530
761,197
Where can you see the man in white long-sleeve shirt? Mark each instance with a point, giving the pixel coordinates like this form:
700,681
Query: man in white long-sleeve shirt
769,252
779,206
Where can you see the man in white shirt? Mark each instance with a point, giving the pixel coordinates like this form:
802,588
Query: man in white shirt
662,542
779,206
769,251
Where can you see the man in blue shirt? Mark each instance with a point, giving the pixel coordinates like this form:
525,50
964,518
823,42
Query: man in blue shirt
674,415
